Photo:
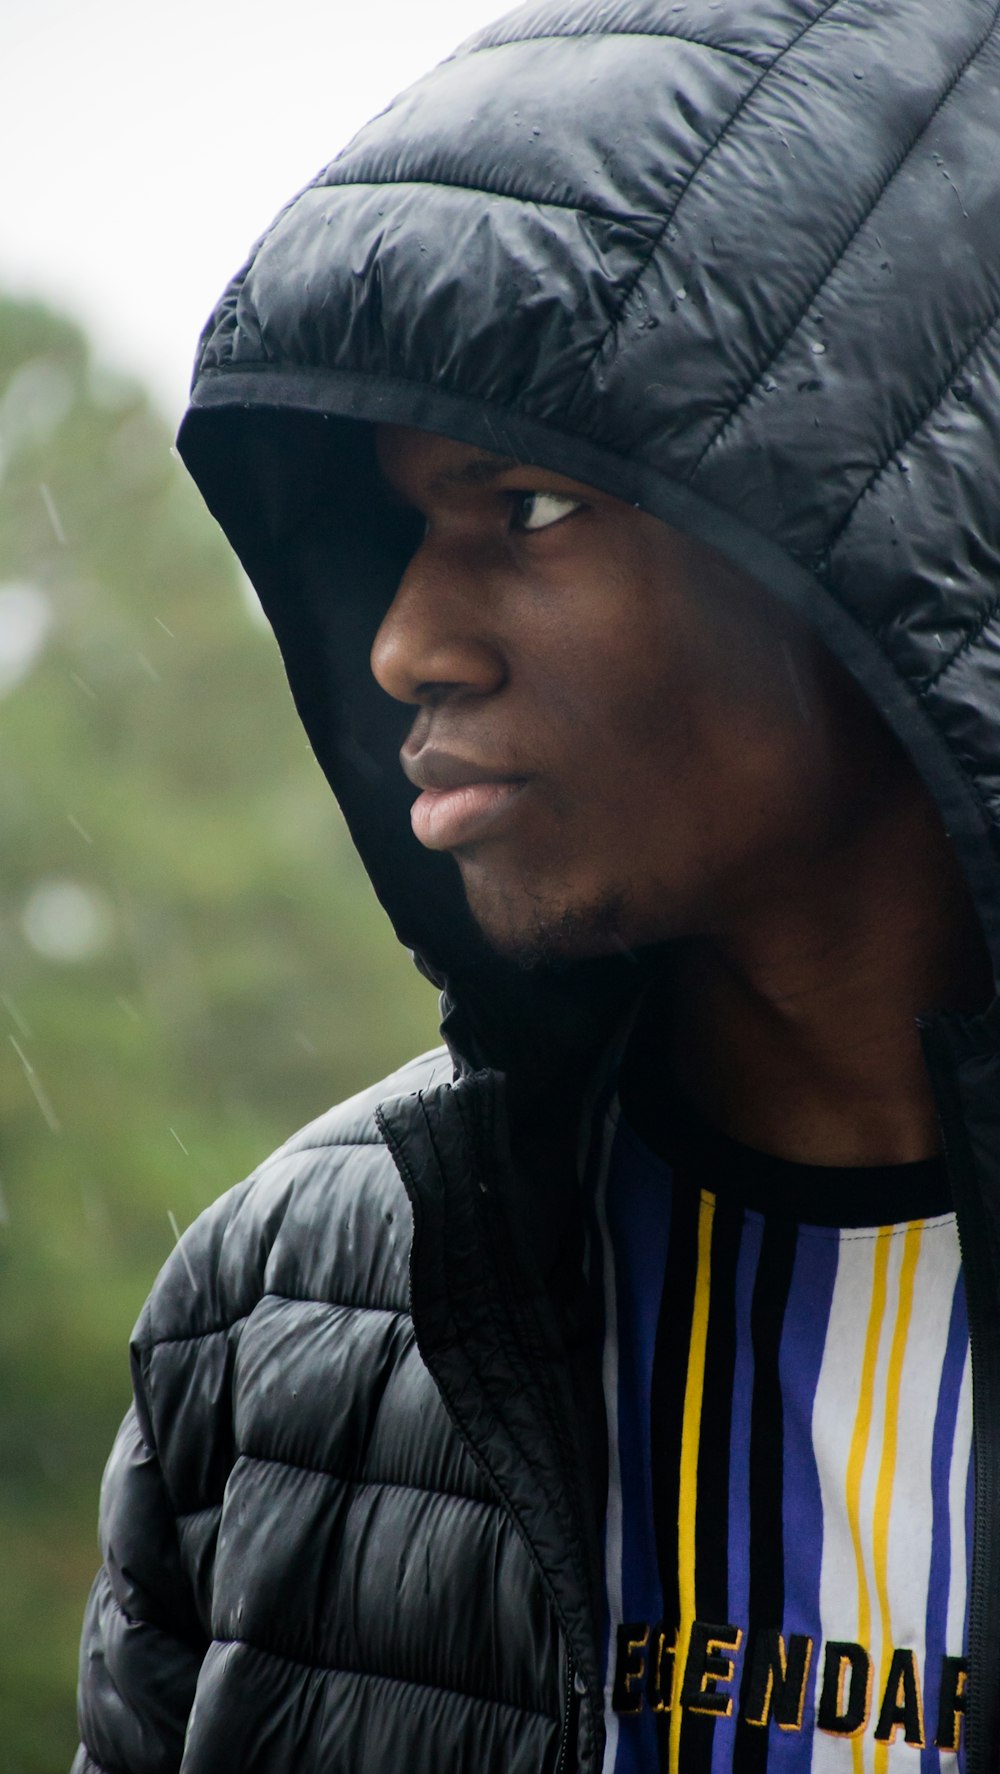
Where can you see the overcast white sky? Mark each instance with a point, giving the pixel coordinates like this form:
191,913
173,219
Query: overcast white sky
146,143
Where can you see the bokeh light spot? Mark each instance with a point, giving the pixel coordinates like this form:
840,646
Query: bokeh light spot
67,920
25,620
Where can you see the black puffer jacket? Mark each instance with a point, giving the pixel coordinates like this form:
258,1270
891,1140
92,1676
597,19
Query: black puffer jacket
739,264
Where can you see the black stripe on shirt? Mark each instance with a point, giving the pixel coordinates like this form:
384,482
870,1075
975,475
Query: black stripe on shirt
767,1548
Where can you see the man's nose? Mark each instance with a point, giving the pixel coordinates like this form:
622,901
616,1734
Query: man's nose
436,641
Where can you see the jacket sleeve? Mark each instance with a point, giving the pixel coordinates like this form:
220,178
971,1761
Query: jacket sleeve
142,1642
147,1624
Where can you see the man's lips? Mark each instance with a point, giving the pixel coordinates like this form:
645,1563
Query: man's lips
446,819
460,800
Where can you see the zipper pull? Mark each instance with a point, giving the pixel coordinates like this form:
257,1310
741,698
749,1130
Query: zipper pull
575,1689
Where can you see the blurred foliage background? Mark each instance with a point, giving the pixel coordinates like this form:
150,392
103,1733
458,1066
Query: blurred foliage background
192,962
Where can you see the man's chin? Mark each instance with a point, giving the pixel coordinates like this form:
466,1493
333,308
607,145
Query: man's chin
534,935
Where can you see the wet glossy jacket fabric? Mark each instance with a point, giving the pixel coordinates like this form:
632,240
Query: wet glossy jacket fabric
740,265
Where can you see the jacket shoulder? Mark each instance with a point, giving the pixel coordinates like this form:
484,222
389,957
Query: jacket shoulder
353,1121
277,1231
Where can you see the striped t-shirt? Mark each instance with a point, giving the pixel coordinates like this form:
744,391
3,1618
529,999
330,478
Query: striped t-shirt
790,1425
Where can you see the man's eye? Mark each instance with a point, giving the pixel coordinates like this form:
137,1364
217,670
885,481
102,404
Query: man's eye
536,511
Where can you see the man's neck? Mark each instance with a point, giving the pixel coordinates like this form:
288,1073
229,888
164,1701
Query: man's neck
796,1031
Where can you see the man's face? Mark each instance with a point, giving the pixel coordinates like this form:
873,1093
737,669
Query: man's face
618,737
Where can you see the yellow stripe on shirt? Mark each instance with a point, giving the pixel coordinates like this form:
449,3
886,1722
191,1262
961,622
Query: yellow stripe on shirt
887,1465
694,1390
859,1443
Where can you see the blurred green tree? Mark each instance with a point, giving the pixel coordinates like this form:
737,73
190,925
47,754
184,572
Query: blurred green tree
191,960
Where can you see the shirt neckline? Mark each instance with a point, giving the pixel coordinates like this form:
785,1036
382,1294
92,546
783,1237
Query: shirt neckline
846,1196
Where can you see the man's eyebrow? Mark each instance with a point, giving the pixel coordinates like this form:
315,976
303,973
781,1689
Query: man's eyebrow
478,471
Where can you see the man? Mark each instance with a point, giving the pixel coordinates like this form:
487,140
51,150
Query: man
611,435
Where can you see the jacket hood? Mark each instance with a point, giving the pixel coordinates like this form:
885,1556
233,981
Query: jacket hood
739,265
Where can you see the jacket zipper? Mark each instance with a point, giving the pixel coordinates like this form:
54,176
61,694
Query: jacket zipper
526,1331
974,1246
569,1712
566,1761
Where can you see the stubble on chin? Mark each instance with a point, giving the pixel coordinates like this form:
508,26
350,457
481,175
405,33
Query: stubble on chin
532,934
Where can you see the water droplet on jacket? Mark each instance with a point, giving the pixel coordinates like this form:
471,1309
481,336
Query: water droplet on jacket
536,132
817,348
680,295
859,74
962,389
770,386
903,465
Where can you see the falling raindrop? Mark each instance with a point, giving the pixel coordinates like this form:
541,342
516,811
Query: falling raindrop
360,759
79,829
175,1229
15,1016
623,949
53,514
796,682
37,1088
